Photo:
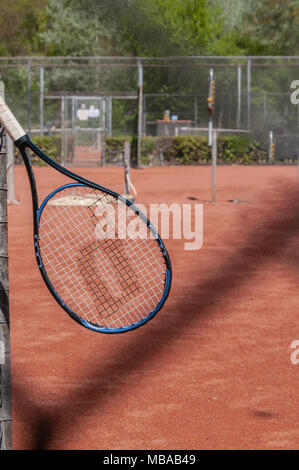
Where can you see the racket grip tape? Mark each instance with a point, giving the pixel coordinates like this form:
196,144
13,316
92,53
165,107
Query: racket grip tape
9,122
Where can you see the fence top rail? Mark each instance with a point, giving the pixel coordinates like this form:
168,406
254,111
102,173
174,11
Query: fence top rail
139,58
135,60
215,129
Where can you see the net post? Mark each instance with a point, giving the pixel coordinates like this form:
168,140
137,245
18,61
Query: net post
5,371
214,164
211,102
127,166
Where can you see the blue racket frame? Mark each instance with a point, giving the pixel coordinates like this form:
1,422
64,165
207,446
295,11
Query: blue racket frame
25,143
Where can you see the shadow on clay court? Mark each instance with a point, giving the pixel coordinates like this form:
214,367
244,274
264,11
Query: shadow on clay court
265,237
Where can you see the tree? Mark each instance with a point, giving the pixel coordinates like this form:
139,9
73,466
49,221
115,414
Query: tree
20,24
135,27
232,12
72,30
271,27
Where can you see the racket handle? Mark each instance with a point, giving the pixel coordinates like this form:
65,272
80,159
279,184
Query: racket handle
9,122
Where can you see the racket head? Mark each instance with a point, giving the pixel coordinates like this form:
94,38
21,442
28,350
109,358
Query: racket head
108,285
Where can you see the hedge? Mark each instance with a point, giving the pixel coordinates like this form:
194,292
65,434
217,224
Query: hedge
51,145
182,150
190,150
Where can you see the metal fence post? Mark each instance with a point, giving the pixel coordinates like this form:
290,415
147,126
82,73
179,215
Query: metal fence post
140,111
109,124
271,148
103,157
29,95
41,100
63,133
248,94
239,88
214,164
5,380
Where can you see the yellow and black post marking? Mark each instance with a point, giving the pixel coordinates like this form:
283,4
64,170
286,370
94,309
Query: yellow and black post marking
211,104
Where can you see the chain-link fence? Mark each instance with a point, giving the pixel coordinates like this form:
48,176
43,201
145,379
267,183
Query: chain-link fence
286,148
88,99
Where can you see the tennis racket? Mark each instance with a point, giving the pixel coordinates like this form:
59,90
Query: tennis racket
104,276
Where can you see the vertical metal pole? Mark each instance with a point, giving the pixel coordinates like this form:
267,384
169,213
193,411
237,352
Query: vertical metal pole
211,116
66,139
29,95
140,111
5,371
71,140
210,130
239,79
63,136
104,131
109,126
270,153
74,107
249,94
214,165
41,100
127,167
144,116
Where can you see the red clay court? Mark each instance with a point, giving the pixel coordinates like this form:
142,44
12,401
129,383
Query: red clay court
212,370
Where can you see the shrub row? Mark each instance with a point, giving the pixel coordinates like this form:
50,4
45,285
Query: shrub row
168,150
51,145
189,150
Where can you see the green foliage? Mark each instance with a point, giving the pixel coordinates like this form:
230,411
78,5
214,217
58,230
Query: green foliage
270,27
135,27
188,149
180,150
20,24
195,149
50,146
115,147
71,30
149,28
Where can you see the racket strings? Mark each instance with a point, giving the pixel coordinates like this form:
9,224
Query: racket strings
122,275
111,282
